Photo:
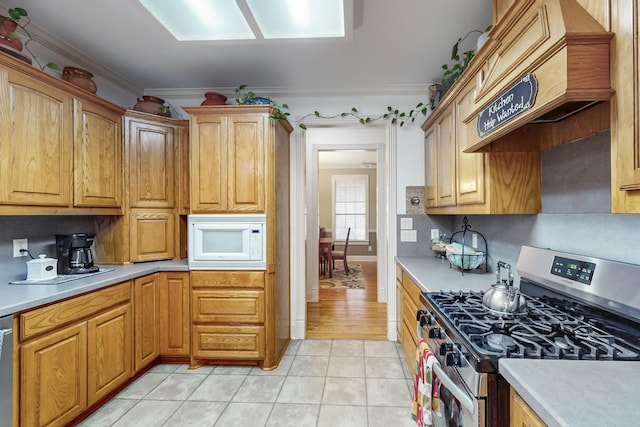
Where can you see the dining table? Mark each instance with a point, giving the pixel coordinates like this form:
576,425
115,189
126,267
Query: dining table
326,244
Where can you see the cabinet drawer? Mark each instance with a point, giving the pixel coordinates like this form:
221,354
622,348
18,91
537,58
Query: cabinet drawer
227,279
224,306
228,342
47,318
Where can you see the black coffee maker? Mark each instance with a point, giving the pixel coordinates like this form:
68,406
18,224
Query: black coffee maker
74,253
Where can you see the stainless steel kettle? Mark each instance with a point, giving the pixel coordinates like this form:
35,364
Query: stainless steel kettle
502,298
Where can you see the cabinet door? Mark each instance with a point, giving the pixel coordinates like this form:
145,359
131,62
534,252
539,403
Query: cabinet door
469,166
36,131
109,340
151,146
97,156
174,314
246,164
430,169
53,372
521,414
446,155
152,235
146,320
208,144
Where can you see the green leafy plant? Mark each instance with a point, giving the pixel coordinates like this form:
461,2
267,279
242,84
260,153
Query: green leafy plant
460,63
279,111
18,14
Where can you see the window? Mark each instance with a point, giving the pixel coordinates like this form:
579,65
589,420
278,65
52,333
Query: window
350,207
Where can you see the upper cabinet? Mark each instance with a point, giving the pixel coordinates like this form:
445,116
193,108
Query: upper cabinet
60,146
227,146
625,108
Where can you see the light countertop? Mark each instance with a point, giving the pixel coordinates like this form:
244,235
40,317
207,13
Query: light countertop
16,298
570,393
564,393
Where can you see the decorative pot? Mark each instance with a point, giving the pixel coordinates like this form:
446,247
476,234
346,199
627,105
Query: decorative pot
9,26
214,98
153,105
79,77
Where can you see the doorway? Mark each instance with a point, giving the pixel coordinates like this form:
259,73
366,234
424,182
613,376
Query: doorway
345,142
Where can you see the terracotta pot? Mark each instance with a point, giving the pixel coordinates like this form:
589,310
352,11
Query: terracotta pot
214,98
9,26
79,77
153,105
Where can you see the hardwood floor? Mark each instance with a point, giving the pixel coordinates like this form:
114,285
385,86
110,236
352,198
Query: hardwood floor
349,313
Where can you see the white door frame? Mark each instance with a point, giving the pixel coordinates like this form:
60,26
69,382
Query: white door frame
304,173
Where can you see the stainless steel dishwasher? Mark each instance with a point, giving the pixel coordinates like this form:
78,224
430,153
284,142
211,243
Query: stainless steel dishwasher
6,370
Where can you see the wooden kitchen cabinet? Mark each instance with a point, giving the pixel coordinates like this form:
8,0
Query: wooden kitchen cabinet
97,153
474,183
72,354
146,299
60,146
175,319
625,108
228,315
227,147
521,414
53,374
109,343
409,307
151,228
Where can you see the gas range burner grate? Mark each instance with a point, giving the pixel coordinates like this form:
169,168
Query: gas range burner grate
545,332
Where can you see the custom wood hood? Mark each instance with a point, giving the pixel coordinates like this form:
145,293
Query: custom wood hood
545,60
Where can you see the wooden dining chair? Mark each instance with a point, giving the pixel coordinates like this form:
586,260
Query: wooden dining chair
323,258
342,254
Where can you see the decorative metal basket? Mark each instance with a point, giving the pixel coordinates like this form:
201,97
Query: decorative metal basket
467,257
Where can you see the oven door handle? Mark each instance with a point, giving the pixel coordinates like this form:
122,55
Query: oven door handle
459,393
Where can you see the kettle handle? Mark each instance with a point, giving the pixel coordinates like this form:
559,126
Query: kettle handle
502,264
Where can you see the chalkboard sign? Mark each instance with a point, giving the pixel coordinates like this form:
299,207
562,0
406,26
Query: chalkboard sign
513,102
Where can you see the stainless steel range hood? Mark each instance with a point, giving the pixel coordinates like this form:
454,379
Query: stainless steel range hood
546,60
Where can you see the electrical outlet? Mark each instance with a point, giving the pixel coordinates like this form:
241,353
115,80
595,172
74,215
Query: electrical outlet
435,234
369,248
20,244
474,241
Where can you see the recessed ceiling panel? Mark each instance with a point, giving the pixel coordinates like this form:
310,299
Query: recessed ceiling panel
281,19
201,19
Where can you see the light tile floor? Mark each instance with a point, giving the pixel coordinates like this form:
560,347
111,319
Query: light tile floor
350,383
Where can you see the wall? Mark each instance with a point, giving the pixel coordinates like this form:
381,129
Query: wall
325,202
575,216
40,231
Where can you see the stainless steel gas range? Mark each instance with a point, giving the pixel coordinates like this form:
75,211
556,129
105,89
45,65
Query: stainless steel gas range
574,307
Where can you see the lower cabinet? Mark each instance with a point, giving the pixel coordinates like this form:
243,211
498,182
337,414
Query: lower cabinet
146,294
174,314
228,316
521,414
72,354
408,338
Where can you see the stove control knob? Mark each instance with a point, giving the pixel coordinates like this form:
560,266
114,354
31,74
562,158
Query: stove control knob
424,318
445,347
436,333
453,359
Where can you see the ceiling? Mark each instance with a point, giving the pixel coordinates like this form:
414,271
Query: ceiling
394,44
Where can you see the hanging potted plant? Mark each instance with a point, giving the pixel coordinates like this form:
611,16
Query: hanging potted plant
11,41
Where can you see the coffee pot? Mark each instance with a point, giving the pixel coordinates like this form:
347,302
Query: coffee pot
74,253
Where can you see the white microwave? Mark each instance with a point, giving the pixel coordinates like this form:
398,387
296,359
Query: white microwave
227,242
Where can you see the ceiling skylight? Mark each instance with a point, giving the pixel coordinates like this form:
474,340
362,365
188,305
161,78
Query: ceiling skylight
249,19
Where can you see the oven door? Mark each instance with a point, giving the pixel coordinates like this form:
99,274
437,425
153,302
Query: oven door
457,407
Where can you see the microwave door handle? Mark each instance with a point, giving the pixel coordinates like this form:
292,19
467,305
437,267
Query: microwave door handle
459,394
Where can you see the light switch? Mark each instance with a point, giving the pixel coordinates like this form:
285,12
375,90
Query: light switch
408,235
406,223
